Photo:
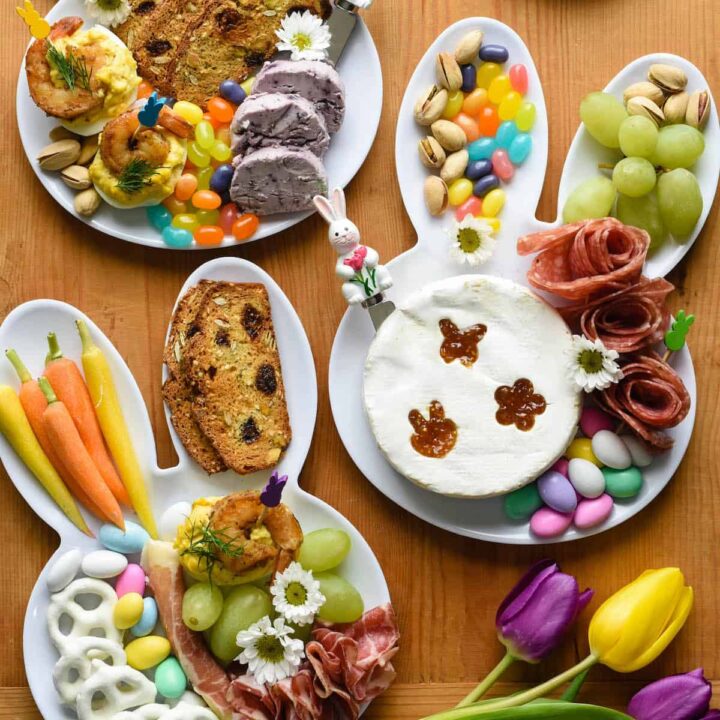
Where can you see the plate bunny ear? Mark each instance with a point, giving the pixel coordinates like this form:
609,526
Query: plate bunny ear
338,201
325,208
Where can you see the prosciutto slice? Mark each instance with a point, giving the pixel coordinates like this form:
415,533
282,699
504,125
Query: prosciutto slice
650,398
627,320
585,259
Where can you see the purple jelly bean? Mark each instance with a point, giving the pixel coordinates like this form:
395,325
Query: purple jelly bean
485,184
502,166
469,78
477,169
494,53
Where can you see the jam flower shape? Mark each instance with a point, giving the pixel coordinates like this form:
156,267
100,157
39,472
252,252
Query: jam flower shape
519,404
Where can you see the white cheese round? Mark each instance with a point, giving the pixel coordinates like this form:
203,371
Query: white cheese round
525,339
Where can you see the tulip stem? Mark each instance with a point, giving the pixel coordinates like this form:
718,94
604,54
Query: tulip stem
492,677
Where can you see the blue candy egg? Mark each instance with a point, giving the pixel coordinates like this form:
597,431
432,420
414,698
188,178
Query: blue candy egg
481,149
506,133
485,184
520,148
557,492
159,216
176,237
221,178
148,620
477,169
129,542
494,53
232,92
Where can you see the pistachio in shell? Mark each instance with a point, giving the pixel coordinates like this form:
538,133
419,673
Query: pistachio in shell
431,153
644,89
76,177
430,106
646,108
668,78
436,195
87,202
59,155
60,132
448,72
455,166
468,48
698,109
89,149
449,135
675,108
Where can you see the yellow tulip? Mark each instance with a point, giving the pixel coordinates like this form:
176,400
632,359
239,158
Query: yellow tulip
631,628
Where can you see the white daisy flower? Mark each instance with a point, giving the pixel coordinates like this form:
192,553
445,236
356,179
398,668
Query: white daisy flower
304,35
296,595
472,241
269,651
108,12
592,365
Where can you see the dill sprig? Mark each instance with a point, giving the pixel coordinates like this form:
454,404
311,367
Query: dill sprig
207,544
72,69
136,175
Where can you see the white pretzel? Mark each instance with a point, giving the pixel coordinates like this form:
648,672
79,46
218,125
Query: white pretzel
121,687
84,622
76,662
154,711
181,711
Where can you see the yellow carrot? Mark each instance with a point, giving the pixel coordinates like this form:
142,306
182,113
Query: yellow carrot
15,426
109,413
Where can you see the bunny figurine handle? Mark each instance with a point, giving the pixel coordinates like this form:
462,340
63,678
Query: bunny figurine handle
364,279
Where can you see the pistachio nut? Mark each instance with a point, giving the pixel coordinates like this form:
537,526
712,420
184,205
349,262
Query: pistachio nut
431,152
647,108
468,48
698,109
449,135
59,155
668,78
430,106
675,107
76,177
87,202
89,148
455,166
448,72
644,89
436,195
59,132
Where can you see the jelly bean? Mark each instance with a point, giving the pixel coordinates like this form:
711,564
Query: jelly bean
557,492
520,148
459,191
203,178
469,77
209,235
220,109
245,226
208,217
223,135
185,221
198,156
521,504
593,419
502,166
148,620
127,611
228,215
525,117
189,111
509,105
472,206
132,579
481,149
174,205
582,448
474,102
506,133
494,223
221,178
232,92
586,478
640,456
518,75
548,523
145,89
131,541
499,88
170,679
147,652
486,73
63,570
454,105
591,513
186,186
176,237
158,216
220,151
469,126
103,564
610,450
561,466
494,53
477,169
493,202
247,85
204,135
206,200
623,483
208,118
488,120
485,184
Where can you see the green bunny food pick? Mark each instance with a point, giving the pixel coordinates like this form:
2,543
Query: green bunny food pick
675,336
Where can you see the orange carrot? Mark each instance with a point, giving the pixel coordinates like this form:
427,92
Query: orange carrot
67,381
34,403
69,447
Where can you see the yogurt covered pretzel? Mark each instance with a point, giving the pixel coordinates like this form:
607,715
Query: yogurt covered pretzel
181,711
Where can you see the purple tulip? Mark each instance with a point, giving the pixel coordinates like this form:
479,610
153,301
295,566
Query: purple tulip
679,697
538,611
272,493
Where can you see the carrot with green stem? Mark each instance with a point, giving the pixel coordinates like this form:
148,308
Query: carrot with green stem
67,381
109,412
73,454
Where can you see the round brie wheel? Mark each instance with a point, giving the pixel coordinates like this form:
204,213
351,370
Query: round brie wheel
495,442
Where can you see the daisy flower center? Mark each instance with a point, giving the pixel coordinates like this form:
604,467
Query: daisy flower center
295,593
109,4
591,361
302,41
270,649
468,239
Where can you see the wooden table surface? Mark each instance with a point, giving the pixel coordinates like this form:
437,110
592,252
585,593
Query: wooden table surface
445,588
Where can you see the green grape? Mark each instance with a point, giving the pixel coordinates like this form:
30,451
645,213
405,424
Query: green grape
343,603
678,146
202,605
634,176
592,198
602,114
324,549
243,606
680,201
638,136
302,632
644,213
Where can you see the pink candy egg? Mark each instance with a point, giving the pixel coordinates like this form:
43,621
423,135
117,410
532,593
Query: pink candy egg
132,579
519,78
472,206
593,419
561,466
548,523
502,166
590,513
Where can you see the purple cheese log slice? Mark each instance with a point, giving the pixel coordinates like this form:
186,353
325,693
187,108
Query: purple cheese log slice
315,80
276,119
277,180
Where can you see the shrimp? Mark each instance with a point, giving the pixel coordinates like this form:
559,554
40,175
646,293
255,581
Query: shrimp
237,515
62,102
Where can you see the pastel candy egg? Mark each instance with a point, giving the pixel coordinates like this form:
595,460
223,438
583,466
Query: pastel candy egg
131,541
582,448
625,483
158,216
610,450
481,149
127,611
525,116
591,513
494,53
103,564
147,652
131,580
586,478
561,466
593,419
557,492
148,620
520,148
641,457
506,133
548,523
518,75
521,504
172,518
63,570
170,679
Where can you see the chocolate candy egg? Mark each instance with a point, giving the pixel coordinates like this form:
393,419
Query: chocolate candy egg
593,419
591,513
625,483
557,492
521,504
641,456
586,478
610,450
548,523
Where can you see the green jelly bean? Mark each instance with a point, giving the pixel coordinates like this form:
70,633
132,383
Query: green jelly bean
625,483
521,504
170,679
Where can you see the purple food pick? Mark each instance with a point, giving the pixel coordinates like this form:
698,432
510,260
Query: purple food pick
272,492
148,116
678,697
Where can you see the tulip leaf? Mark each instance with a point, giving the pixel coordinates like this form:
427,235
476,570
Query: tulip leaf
539,710
572,692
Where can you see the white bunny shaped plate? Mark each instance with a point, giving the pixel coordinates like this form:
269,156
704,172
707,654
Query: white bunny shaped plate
429,260
24,329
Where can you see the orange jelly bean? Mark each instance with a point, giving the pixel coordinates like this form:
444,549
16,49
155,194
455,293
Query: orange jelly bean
186,187
488,121
245,226
469,126
220,109
206,200
223,134
175,206
208,235
212,120
475,101
145,89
